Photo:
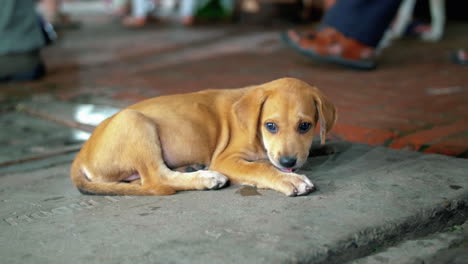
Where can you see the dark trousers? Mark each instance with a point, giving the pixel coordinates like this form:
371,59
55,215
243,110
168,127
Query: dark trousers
20,37
19,27
363,20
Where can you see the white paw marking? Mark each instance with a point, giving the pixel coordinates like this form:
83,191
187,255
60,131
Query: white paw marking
214,179
87,174
301,185
305,186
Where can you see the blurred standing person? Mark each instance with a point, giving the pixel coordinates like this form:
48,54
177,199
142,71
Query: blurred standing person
184,11
120,8
187,11
139,13
205,9
53,13
21,40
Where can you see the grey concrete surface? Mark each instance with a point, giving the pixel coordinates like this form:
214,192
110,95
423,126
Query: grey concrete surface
368,198
441,248
85,113
40,163
42,131
23,136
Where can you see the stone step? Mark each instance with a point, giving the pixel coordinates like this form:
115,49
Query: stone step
368,198
449,247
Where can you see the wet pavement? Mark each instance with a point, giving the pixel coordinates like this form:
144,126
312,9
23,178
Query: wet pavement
42,127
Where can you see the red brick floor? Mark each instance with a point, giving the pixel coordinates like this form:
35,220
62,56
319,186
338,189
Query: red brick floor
416,100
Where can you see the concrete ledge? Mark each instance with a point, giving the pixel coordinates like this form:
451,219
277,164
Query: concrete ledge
437,248
368,198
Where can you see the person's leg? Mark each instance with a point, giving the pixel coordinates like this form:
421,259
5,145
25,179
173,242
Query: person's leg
139,8
362,20
348,34
21,40
120,8
140,11
50,9
187,11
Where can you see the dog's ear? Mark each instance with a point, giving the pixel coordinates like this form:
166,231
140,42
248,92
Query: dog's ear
248,109
326,114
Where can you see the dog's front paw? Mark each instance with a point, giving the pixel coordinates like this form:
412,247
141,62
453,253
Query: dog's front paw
213,180
293,184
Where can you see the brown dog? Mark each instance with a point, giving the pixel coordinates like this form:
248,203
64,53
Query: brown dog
258,135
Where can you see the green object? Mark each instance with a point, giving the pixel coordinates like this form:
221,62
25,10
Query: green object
213,9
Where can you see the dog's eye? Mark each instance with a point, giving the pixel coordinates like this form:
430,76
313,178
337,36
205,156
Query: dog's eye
271,127
304,127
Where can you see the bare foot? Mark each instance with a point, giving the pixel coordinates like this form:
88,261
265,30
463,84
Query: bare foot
187,20
134,22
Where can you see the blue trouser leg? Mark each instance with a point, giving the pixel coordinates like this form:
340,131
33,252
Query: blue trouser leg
362,20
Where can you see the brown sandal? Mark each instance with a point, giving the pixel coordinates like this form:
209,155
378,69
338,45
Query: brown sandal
134,22
329,45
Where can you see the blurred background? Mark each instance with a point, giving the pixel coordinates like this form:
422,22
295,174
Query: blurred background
95,57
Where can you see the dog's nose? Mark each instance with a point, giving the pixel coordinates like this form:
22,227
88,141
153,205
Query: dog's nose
287,161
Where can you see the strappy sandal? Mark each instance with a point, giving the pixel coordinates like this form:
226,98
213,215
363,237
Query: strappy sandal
329,45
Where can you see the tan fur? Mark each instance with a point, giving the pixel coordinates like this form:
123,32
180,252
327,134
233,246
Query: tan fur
222,129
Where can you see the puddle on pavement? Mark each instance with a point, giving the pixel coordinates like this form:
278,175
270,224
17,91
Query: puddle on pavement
87,114
91,115
23,137
248,191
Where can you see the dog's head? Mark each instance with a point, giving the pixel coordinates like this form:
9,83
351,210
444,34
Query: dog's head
283,114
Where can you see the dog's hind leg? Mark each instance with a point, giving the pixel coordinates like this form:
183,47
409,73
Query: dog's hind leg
126,148
147,158
198,180
123,148
195,176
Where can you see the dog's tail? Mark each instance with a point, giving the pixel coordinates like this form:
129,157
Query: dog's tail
85,186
